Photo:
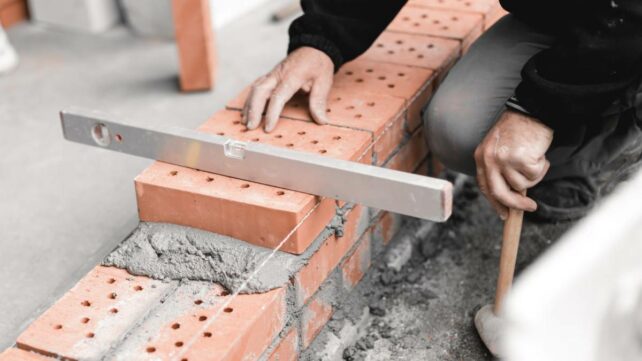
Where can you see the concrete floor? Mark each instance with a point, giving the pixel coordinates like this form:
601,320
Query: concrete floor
64,206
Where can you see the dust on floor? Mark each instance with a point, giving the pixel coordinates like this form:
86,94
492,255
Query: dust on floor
425,311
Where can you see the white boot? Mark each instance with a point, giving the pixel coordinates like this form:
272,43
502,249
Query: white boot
8,55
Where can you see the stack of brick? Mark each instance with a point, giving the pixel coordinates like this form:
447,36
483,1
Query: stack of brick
374,108
12,12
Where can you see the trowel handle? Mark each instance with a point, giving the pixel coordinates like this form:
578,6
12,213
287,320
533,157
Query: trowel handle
508,257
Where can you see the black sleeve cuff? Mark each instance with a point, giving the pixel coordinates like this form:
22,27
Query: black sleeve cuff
319,43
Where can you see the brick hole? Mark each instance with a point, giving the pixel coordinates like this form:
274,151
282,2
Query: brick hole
278,136
113,310
401,74
209,179
112,296
359,80
111,281
338,99
173,173
236,122
391,86
228,310
202,318
391,52
301,133
151,349
244,130
198,302
350,107
405,18
369,70
358,116
399,41
280,193
90,335
255,139
323,151
118,137
430,46
416,24
436,22
245,185
424,16
57,327
444,27
184,359
454,18
220,133
179,344
207,334
225,293
139,288
315,142
420,56
85,303
467,3
379,45
411,49
289,145
176,326
349,73
371,104
328,110
85,320
382,78
336,137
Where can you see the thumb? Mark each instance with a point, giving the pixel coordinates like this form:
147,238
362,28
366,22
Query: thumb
319,99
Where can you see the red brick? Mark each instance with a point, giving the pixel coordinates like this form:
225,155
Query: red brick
94,315
195,43
410,155
242,331
415,85
462,26
14,354
346,108
287,350
482,7
364,76
249,211
327,257
13,12
386,144
493,17
314,317
387,226
356,266
414,50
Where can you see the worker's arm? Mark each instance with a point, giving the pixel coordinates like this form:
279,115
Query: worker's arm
596,60
328,34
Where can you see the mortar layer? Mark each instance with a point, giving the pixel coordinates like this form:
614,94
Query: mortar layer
172,252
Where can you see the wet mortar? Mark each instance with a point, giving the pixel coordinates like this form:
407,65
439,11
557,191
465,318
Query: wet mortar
425,311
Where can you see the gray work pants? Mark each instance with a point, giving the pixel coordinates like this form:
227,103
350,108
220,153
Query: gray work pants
473,95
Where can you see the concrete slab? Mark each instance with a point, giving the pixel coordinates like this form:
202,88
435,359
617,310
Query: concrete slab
64,206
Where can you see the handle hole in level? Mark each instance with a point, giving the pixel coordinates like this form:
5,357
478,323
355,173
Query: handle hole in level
100,134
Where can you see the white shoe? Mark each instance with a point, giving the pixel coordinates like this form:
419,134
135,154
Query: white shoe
8,55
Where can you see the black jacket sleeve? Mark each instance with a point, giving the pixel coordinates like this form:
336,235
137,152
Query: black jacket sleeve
596,59
343,29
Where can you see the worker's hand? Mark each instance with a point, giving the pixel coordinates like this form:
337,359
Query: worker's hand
305,68
511,159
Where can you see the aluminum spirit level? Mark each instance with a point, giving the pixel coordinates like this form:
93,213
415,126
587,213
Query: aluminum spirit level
400,192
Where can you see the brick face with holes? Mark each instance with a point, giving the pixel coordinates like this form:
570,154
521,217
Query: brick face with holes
374,110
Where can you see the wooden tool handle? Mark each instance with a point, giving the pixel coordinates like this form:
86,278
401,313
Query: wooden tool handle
508,257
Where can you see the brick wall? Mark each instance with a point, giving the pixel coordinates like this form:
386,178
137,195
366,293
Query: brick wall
374,110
